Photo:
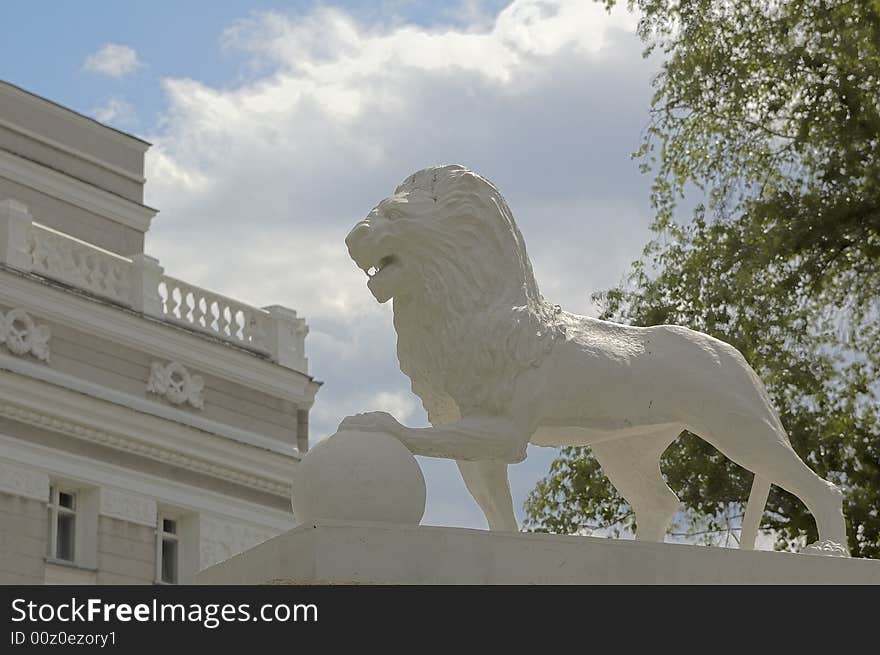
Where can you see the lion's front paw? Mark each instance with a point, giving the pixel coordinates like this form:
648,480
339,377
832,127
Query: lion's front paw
826,548
370,422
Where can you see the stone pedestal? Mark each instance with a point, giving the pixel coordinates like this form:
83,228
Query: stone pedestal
380,553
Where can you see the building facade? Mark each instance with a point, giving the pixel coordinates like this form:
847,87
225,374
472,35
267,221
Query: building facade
148,427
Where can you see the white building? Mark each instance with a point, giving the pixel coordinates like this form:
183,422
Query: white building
148,428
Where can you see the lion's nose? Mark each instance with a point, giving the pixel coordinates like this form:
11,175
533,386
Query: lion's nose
359,232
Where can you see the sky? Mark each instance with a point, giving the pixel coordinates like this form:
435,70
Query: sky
277,125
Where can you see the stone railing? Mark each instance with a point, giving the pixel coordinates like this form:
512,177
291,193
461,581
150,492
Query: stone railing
139,283
205,310
60,257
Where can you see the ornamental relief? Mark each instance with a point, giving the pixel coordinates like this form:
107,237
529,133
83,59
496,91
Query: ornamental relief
22,336
175,383
222,539
128,507
22,481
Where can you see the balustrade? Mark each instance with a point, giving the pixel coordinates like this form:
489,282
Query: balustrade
139,283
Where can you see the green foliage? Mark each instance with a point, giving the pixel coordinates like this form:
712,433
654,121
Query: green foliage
769,112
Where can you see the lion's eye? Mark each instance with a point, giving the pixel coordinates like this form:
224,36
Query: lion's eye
393,214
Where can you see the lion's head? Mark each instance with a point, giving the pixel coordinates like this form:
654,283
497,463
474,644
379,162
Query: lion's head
467,309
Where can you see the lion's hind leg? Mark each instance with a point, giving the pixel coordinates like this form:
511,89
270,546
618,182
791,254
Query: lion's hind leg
758,444
632,464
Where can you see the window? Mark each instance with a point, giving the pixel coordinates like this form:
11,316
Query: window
167,551
62,524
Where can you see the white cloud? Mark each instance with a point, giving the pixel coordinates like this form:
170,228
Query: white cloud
116,111
113,60
400,405
260,180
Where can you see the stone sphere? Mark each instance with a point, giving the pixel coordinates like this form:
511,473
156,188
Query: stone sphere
359,476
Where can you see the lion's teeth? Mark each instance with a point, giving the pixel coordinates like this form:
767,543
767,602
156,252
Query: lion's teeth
372,271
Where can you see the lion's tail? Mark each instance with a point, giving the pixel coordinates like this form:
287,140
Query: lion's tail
754,509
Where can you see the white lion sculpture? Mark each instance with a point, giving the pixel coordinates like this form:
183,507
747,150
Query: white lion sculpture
497,367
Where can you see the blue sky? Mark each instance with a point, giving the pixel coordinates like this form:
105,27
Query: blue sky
277,125
174,39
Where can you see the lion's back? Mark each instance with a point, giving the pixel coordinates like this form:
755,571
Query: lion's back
656,351
603,339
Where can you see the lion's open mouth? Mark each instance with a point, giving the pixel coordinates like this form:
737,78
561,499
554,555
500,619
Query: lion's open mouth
383,264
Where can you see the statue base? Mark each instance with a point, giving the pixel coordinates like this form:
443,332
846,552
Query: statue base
333,552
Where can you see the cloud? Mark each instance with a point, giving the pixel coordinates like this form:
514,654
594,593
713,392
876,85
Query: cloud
116,111
113,60
400,405
259,180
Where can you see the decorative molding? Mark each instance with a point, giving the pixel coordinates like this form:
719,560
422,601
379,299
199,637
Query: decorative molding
142,448
128,507
79,120
221,539
82,417
20,481
22,336
165,490
176,384
142,405
71,151
225,360
81,194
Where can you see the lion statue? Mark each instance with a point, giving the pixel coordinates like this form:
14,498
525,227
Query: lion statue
497,367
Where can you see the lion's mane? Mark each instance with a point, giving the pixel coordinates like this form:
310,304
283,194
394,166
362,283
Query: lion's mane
479,319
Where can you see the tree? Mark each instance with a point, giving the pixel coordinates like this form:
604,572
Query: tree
767,113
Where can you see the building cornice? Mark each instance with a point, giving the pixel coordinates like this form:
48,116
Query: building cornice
119,504
42,459
70,150
82,417
75,192
160,339
56,378
74,117
23,482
